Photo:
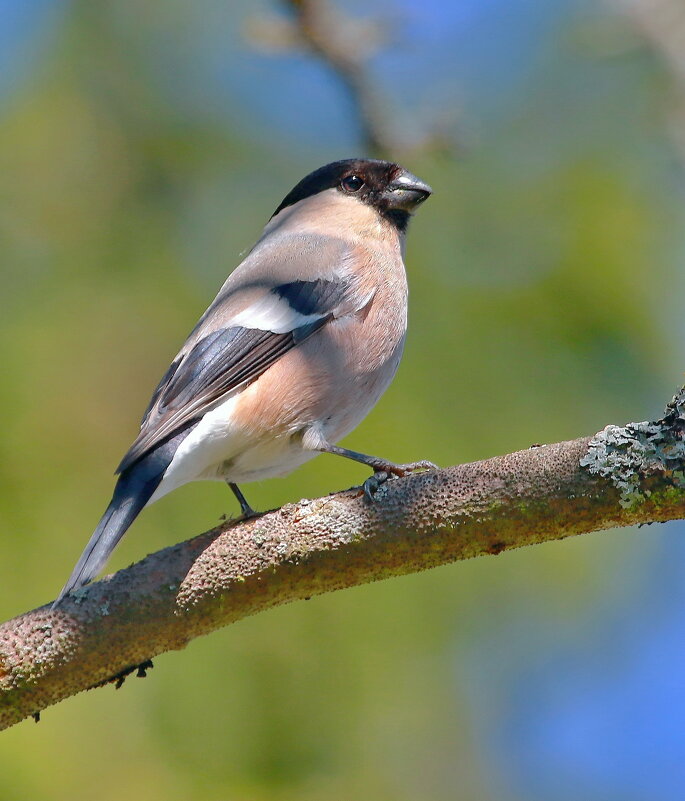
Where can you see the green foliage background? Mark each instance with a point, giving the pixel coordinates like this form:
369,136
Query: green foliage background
544,300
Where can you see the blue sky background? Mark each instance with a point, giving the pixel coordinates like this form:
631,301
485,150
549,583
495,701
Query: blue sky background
594,710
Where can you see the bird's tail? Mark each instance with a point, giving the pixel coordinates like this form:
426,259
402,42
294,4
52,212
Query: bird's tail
135,487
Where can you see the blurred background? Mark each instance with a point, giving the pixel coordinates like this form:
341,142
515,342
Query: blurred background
143,145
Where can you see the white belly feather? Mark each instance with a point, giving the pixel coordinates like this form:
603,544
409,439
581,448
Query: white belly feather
218,449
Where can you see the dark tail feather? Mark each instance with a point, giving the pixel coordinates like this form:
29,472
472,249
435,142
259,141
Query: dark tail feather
130,496
135,487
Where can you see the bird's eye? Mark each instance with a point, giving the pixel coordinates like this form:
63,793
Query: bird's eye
353,183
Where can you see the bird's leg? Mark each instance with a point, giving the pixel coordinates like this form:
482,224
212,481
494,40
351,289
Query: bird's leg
382,469
245,508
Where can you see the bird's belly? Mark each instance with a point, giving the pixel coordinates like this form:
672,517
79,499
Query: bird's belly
357,396
267,459
220,448
257,433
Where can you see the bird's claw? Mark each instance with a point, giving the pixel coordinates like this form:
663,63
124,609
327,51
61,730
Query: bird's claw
245,514
412,467
373,482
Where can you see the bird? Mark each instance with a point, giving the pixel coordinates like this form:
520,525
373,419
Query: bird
301,341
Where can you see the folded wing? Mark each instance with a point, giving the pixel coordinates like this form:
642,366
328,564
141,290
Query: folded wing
225,359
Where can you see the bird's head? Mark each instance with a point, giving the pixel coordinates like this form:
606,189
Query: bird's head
385,186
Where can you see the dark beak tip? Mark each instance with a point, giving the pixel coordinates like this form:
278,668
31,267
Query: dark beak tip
411,183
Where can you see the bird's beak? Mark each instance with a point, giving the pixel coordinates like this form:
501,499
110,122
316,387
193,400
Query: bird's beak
406,191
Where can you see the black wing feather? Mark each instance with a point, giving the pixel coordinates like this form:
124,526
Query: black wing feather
310,297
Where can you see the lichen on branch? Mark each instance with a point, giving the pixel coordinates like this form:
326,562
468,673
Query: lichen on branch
625,455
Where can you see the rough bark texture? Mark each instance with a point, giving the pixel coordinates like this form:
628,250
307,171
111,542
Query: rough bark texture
621,476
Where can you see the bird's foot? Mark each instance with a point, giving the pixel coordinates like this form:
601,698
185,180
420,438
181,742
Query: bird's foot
245,514
412,467
373,482
380,476
246,511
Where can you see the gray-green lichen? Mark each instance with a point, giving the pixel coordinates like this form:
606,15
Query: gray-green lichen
626,455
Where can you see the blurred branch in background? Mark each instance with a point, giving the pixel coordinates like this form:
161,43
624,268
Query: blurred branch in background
661,26
346,46
619,477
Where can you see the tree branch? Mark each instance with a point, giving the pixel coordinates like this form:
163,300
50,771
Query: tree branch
346,45
334,40
619,477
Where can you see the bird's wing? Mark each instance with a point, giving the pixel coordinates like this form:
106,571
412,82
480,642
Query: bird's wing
222,360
